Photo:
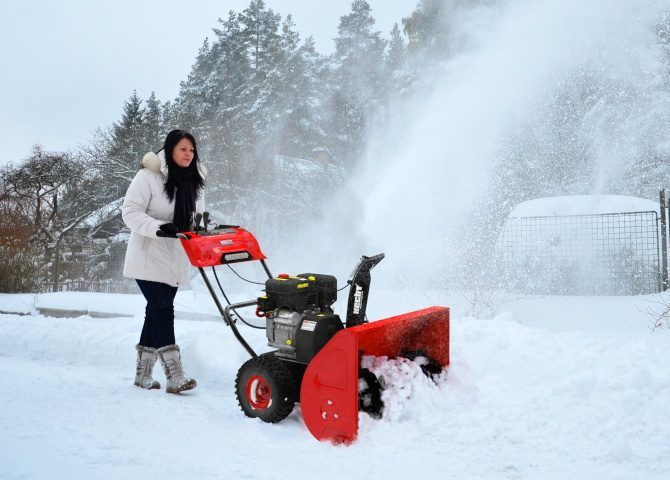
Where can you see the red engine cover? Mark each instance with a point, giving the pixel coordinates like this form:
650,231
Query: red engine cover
229,245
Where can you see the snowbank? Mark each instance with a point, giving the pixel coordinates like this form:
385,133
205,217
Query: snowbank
189,304
23,303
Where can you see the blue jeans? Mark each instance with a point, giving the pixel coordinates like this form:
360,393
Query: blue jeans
158,329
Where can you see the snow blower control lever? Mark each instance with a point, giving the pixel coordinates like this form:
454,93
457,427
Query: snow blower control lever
315,360
358,293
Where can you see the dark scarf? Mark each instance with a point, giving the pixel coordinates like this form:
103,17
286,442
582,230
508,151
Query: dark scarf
184,198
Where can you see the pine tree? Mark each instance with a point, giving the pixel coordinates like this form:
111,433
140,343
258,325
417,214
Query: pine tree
194,101
359,52
293,137
425,28
128,145
260,28
231,149
170,116
153,123
282,93
397,51
260,33
357,81
303,83
398,71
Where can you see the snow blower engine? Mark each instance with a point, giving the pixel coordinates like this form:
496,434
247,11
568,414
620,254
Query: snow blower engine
316,358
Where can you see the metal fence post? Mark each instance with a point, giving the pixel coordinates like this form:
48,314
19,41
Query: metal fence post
664,240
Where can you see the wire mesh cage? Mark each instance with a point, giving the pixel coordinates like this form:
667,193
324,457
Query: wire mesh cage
594,254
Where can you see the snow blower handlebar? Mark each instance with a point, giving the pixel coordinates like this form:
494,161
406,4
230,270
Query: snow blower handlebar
224,245
225,313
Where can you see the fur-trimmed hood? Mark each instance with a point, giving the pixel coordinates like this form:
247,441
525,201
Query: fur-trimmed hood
156,163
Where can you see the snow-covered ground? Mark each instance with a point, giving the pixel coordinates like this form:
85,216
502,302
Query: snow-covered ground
550,388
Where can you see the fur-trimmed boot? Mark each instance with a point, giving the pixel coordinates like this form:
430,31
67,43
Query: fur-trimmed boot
146,358
171,360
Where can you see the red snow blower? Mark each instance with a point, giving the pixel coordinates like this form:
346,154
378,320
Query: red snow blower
316,358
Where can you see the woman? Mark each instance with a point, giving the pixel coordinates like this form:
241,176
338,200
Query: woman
162,200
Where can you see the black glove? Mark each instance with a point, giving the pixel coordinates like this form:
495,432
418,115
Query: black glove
167,230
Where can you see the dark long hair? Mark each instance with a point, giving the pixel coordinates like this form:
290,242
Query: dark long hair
174,177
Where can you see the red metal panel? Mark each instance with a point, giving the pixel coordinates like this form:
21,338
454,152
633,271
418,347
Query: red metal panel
207,250
426,330
329,390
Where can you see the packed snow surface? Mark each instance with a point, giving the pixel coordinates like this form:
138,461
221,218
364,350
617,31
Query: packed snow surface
551,387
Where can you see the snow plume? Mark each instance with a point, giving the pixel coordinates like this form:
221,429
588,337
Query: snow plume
535,98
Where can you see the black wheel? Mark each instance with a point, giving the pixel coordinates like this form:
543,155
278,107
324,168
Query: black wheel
266,388
369,393
429,366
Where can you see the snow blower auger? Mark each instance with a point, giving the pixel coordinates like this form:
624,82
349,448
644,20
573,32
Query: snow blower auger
316,359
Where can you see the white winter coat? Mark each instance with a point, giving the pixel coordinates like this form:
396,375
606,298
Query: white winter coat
145,208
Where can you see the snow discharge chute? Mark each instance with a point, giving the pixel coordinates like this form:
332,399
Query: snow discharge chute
316,358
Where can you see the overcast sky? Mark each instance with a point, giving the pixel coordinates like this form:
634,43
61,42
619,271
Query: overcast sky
68,65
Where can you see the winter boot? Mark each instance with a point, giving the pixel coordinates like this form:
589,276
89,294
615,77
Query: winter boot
146,358
171,361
